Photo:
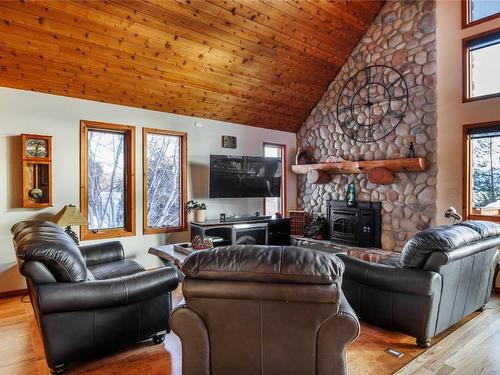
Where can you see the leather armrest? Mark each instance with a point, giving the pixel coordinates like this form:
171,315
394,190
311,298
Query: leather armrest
37,272
102,253
440,258
65,297
334,336
391,278
192,331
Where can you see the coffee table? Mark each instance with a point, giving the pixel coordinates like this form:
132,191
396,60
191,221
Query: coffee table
169,257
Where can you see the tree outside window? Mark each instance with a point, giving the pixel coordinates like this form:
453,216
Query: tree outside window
486,172
164,180
107,195
106,180
482,171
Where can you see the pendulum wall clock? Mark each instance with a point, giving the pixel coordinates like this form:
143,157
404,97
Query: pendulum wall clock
37,170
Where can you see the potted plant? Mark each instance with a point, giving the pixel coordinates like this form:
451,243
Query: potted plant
199,209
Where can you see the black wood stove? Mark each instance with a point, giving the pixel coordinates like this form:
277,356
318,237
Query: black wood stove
357,226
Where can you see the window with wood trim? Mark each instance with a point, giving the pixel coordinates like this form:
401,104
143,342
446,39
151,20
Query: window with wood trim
164,180
273,205
107,180
481,173
479,11
481,56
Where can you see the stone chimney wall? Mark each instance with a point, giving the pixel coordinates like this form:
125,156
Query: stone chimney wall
402,37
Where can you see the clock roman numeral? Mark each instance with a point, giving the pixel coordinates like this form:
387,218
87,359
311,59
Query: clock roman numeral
392,86
356,86
382,76
344,109
381,123
392,113
368,74
399,97
369,137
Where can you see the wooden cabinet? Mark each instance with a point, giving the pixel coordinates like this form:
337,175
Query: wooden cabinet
37,170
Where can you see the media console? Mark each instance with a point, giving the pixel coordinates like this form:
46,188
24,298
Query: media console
255,231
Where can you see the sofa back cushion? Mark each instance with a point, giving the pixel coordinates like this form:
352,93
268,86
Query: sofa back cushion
275,264
445,239
485,228
47,243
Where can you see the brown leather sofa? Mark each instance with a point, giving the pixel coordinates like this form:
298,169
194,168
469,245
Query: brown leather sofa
267,310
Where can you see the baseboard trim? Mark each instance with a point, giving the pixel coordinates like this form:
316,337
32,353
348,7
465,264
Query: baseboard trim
14,293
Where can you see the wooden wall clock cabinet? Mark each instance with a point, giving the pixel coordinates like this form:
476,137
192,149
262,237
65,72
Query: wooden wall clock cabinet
37,170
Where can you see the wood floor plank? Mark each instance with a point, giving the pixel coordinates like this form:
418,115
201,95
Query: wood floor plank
470,347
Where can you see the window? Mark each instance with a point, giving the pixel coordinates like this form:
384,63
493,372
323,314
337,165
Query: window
107,180
481,56
478,11
165,168
482,171
276,204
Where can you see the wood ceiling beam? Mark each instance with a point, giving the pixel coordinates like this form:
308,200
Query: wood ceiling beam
262,63
35,83
312,43
338,20
164,40
211,81
251,52
149,36
91,76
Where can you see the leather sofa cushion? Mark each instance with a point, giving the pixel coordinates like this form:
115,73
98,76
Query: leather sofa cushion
282,264
119,268
248,290
446,239
47,243
392,261
484,228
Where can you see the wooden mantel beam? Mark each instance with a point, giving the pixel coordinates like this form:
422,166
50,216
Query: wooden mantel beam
347,167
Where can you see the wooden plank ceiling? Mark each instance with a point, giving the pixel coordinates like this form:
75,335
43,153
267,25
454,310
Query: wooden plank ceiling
258,62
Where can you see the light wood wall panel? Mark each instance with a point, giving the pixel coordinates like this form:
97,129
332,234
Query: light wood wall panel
261,63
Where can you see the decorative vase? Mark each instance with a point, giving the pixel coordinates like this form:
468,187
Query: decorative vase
200,215
351,195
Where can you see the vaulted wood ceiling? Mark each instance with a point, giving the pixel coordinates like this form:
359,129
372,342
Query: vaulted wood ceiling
258,62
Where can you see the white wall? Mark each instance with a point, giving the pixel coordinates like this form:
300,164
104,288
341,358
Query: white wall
452,113
36,113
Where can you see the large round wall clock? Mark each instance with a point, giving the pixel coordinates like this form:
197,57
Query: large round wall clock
372,103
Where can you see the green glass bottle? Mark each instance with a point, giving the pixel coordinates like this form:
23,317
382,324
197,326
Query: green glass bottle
351,195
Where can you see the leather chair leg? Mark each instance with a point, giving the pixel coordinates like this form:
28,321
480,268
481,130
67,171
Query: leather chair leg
424,343
58,369
158,339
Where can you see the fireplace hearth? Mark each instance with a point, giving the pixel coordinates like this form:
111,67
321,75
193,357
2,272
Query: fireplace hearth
357,226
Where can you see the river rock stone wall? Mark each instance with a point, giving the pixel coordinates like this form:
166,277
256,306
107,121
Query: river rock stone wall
403,37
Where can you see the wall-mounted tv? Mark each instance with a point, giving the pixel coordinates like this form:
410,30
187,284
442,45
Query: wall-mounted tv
244,176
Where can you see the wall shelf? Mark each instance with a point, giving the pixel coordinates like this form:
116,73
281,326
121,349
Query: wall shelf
392,165
379,171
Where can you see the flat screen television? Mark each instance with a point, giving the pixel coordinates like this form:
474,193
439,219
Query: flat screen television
244,176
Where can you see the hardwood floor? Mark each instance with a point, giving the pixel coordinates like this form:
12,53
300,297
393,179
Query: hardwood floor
472,348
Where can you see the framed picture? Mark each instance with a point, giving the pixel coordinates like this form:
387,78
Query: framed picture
228,141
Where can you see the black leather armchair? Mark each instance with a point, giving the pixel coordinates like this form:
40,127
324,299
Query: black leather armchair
443,274
90,299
